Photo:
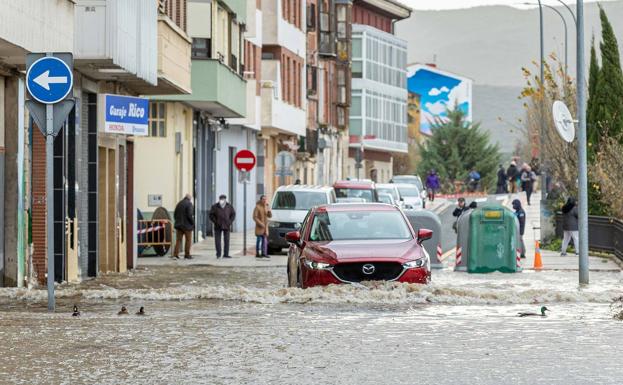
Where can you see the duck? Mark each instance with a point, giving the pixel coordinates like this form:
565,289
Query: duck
76,312
530,314
123,311
141,311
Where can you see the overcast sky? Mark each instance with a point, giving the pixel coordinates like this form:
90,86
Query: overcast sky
454,4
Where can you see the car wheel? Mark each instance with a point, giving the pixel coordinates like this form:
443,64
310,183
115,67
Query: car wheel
299,278
292,278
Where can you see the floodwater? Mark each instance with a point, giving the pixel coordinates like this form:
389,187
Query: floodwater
208,325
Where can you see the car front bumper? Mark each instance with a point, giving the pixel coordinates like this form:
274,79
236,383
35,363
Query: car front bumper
312,277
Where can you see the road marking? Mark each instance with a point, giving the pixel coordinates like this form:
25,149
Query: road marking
446,255
500,197
480,200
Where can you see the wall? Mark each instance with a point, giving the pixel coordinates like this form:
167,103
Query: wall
158,169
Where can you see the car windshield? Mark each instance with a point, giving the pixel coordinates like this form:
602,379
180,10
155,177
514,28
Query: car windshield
408,180
354,193
387,190
385,198
298,200
409,191
353,225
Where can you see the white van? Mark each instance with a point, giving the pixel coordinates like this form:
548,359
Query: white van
289,206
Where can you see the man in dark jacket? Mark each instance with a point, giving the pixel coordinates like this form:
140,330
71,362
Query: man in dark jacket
222,214
501,185
521,217
184,225
570,226
458,211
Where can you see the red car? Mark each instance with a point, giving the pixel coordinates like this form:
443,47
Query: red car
357,189
349,243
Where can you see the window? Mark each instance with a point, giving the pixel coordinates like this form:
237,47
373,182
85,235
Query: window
157,119
202,48
311,17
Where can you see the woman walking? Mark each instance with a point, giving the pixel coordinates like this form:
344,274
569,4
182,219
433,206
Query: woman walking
570,226
261,213
527,181
432,184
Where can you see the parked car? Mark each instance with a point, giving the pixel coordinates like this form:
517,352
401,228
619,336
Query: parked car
388,188
351,243
387,198
289,206
356,189
410,196
411,179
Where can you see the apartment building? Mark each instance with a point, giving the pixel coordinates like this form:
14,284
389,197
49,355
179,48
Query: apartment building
378,117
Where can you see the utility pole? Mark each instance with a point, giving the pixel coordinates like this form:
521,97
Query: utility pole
583,174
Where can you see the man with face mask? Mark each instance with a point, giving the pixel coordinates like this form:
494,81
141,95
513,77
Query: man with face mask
222,214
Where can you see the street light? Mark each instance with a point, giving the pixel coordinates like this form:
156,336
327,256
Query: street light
564,22
575,21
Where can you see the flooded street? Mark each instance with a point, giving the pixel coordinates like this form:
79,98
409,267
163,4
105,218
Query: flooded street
208,325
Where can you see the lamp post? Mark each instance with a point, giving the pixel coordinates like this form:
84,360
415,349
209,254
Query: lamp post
575,21
582,174
564,23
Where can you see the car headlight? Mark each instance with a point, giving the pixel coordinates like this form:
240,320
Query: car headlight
273,224
415,264
316,265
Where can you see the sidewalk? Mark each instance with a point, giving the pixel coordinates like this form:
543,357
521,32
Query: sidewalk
204,253
551,259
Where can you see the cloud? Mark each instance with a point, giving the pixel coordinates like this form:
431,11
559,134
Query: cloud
438,91
436,108
459,95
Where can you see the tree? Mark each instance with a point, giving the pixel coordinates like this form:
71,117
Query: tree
592,131
607,97
456,147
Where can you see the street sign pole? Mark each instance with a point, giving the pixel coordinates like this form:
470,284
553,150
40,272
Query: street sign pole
49,200
49,80
583,172
244,215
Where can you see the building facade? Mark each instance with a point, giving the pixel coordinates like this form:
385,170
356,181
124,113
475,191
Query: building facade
378,115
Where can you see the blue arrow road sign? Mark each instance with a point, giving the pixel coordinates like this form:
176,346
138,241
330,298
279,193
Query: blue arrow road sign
49,80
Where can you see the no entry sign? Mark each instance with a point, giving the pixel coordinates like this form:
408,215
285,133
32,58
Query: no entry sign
244,160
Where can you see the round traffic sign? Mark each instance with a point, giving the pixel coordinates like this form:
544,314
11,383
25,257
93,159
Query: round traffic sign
49,80
244,160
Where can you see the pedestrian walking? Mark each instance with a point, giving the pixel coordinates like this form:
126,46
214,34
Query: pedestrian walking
501,185
184,216
570,226
511,174
222,214
261,213
432,185
521,217
527,181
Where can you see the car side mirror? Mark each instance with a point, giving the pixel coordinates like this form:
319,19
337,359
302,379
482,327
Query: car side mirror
423,235
293,237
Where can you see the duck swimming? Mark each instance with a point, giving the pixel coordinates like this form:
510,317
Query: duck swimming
123,311
76,312
141,311
529,314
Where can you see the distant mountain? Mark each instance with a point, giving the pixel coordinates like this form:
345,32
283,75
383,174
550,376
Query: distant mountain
490,45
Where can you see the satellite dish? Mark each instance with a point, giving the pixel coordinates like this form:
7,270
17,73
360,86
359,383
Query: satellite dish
563,121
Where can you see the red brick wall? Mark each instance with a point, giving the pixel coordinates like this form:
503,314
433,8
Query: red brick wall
291,74
367,16
291,11
39,206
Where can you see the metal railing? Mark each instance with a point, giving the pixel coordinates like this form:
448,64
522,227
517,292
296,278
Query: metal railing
605,234
156,233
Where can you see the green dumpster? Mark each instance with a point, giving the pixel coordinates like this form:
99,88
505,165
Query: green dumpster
494,240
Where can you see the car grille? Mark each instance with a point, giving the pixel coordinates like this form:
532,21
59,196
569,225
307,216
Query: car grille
353,272
287,225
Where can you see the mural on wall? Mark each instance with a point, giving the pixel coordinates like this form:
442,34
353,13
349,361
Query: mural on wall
432,92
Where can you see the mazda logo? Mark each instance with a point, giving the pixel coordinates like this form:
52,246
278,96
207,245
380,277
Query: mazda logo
368,269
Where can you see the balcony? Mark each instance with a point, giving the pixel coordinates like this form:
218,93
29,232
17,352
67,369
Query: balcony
174,47
117,40
277,31
254,105
216,88
35,26
277,115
